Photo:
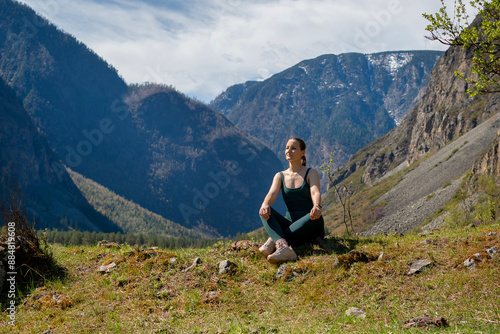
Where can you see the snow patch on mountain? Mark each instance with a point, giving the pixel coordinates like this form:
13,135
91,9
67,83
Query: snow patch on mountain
392,62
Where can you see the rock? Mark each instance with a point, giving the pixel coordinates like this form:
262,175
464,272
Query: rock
492,252
243,245
285,272
196,262
225,267
470,264
107,244
478,257
418,265
107,268
425,321
355,312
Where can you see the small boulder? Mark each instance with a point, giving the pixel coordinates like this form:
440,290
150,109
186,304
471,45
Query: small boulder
225,267
470,264
107,244
107,268
492,252
243,245
418,265
355,312
285,272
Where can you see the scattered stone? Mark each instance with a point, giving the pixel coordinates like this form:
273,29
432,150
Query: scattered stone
356,312
285,272
425,321
196,262
492,252
107,244
225,267
384,257
418,265
478,257
107,268
470,264
244,245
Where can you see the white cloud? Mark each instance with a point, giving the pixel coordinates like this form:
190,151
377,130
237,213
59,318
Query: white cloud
201,47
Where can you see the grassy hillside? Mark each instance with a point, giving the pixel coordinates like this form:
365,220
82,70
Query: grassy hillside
153,291
129,216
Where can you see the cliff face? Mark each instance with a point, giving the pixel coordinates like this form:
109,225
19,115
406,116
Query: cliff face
445,112
489,162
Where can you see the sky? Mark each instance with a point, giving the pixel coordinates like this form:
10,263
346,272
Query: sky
202,47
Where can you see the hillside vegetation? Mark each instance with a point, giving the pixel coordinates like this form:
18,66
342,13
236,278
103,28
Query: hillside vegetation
186,291
130,217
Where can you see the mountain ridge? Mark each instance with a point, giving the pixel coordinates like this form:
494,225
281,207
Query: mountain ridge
79,102
336,103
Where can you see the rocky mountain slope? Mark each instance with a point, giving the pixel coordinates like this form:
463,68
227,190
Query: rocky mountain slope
445,135
431,185
336,103
26,158
445,112
167,153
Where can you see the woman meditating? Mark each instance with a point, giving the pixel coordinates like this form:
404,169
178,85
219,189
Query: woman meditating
301,192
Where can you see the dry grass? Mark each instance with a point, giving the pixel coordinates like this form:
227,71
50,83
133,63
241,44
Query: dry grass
153,292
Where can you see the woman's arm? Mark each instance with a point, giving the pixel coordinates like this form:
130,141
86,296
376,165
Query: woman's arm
315,194
272,195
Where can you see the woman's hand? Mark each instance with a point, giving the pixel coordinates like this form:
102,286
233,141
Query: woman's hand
265,212
315,212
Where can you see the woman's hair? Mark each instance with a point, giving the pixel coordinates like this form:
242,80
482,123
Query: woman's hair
302,145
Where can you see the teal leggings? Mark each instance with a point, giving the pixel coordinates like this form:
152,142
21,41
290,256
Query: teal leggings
295,231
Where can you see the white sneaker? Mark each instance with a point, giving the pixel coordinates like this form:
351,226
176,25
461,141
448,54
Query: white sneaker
268,248
282,254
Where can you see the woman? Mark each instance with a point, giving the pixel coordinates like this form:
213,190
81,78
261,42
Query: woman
302,196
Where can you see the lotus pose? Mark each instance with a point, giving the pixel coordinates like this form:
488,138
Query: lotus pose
301,192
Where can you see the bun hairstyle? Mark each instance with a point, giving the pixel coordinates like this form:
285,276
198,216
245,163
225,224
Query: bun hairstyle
302,145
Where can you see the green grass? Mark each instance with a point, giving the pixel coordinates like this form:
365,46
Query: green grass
154,294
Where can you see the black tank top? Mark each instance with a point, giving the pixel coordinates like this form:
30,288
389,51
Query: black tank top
298,200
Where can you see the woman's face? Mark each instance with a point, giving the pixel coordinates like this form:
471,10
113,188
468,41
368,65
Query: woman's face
293,151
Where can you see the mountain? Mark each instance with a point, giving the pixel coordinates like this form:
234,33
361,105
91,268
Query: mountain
445,112
412,173
149,144
26,159
335,103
